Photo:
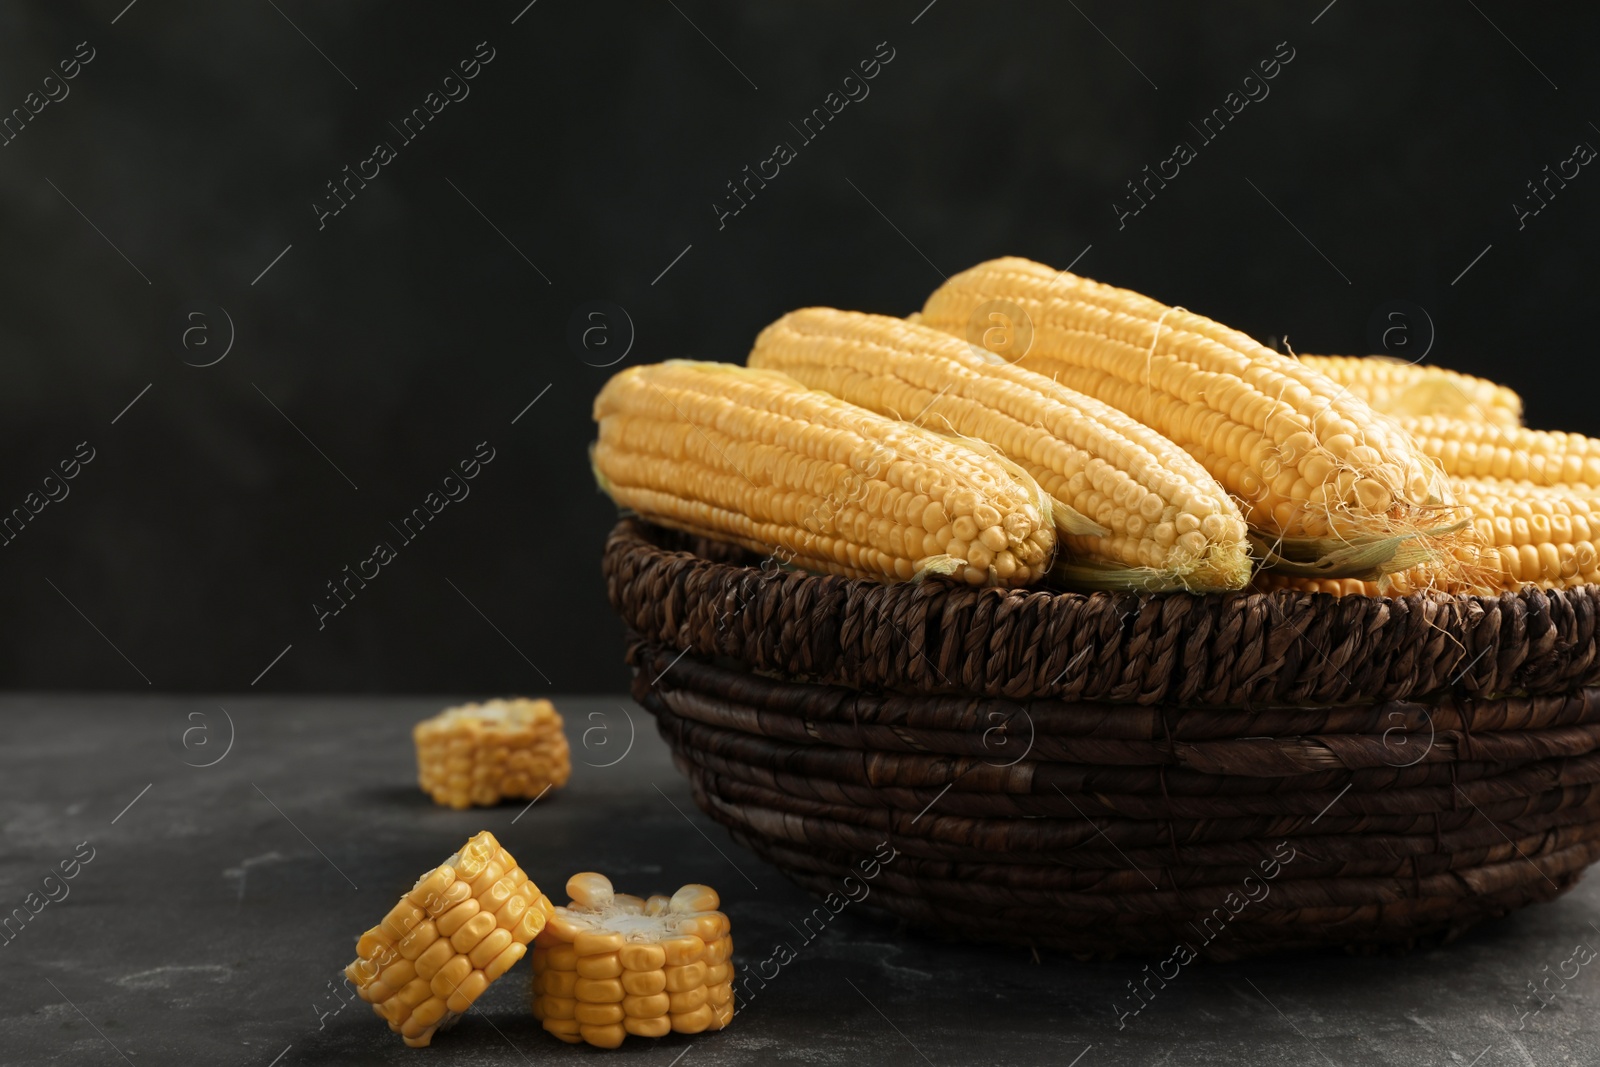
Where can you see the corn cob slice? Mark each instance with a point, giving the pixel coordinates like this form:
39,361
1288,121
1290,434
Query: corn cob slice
484,753
608,964
1529,535
459,928
1470,448
1397,388
755,458
1163,522
1306,459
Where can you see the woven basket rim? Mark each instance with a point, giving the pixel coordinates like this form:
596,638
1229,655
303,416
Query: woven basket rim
1250,649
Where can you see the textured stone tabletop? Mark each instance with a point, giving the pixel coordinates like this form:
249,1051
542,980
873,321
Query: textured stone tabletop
211,909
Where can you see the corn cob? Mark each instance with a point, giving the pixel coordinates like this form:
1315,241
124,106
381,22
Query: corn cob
1396,388
1470,448
1528,534
1549,537
608,964
459,928
1308,461
1157,519
484,753
755,458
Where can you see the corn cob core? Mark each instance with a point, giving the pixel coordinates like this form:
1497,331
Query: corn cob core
460,927
755,458
1396,388
1160,508
1304,456
1471,448
608,964
483,753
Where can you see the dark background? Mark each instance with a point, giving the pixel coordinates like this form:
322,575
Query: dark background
191,549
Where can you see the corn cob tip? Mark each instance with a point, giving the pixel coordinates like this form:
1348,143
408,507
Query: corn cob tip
1222,563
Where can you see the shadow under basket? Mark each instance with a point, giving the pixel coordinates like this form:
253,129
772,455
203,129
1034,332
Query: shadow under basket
1124,773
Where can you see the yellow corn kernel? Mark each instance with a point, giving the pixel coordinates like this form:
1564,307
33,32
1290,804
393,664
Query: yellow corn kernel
485,753
656,1026
1245,412
1088,456
420,974
608,964
1394,387
755,458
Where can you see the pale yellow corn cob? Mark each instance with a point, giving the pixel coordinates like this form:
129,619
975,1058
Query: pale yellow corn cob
608,964
484,753
1397,388
1471,448
1305,458
459,928
1165,522
755,458
1543,536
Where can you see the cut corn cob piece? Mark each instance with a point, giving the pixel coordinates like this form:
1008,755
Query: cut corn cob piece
459,928
484,753
608,964
1306,459
1164,522
1546,536
756,458
1470,448
1397,388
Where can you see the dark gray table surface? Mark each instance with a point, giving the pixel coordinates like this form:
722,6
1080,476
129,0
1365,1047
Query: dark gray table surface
222,901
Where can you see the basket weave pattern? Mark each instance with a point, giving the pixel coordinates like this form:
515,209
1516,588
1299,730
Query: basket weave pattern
1100,773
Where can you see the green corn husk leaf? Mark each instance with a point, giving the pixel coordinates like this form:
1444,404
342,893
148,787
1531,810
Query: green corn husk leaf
1106,576
1368,559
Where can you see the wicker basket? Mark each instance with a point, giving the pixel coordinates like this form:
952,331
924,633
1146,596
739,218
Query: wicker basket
1125,773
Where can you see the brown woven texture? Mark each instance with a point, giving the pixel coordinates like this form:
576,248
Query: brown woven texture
1112,773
